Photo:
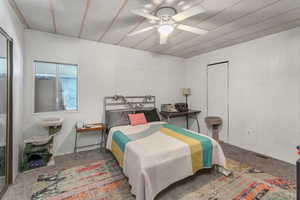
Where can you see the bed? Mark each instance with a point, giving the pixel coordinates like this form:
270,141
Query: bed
157,154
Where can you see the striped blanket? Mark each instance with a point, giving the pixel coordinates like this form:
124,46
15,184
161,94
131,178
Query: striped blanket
155,155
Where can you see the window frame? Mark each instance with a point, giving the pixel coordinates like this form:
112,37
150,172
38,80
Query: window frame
34,62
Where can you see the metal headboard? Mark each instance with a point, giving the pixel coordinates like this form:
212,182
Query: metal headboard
111,104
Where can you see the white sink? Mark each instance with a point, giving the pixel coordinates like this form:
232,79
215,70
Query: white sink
51,122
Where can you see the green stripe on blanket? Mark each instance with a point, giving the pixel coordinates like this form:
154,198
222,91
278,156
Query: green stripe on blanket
206,143
121,139
118,146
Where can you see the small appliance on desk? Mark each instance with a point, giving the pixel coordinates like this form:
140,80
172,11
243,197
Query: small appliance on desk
181,107
168,108
174,108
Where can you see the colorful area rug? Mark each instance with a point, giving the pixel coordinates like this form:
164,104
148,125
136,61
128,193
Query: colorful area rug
245,184
104,180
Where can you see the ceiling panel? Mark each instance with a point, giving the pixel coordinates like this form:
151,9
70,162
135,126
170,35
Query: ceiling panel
133,41
99,18
68,16
257,17
278,28
37,14
264,27
228,21
152,39
243,24
124,24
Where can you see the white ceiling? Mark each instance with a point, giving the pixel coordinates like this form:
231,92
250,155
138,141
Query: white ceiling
229,22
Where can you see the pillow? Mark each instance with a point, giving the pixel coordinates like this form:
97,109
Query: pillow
151,115
117,118
137,119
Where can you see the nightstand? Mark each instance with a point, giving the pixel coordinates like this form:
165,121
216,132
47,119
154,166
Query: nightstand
88,128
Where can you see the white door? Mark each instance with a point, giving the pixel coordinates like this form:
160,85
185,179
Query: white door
217,96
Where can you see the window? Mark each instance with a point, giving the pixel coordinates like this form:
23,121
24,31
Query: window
56,87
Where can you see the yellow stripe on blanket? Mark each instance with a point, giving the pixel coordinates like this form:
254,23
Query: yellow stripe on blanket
117,153
195,147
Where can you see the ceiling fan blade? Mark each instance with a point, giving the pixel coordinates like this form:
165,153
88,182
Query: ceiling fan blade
141,31
191,29
144,14
163,38
188,13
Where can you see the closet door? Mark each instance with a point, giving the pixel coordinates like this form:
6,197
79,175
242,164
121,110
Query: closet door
217,95
5,111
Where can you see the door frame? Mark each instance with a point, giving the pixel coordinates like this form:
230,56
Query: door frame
9,119
228,106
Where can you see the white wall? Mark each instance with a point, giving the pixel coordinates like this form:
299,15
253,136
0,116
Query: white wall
264,86
264,92
104,70
10,23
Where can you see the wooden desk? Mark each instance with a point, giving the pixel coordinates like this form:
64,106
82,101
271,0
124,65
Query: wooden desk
100,127
189,114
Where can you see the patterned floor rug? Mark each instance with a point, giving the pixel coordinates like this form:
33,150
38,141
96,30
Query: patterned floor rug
246,184
104,180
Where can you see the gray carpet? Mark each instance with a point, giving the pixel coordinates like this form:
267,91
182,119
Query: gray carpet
269,165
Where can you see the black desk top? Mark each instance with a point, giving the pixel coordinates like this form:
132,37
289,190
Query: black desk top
179,114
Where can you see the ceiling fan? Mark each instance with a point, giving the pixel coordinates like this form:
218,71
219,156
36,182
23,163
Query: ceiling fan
167,17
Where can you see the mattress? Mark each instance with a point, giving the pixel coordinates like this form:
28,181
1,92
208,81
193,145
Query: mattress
157,154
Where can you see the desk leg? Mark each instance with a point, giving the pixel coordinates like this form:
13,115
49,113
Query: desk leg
196,118
102,141
75,146
105,137
187,122
198,124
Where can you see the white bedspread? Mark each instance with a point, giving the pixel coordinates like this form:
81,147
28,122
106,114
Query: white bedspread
156,161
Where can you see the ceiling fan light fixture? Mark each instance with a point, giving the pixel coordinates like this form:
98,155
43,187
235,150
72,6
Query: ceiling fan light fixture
165,18
165,29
